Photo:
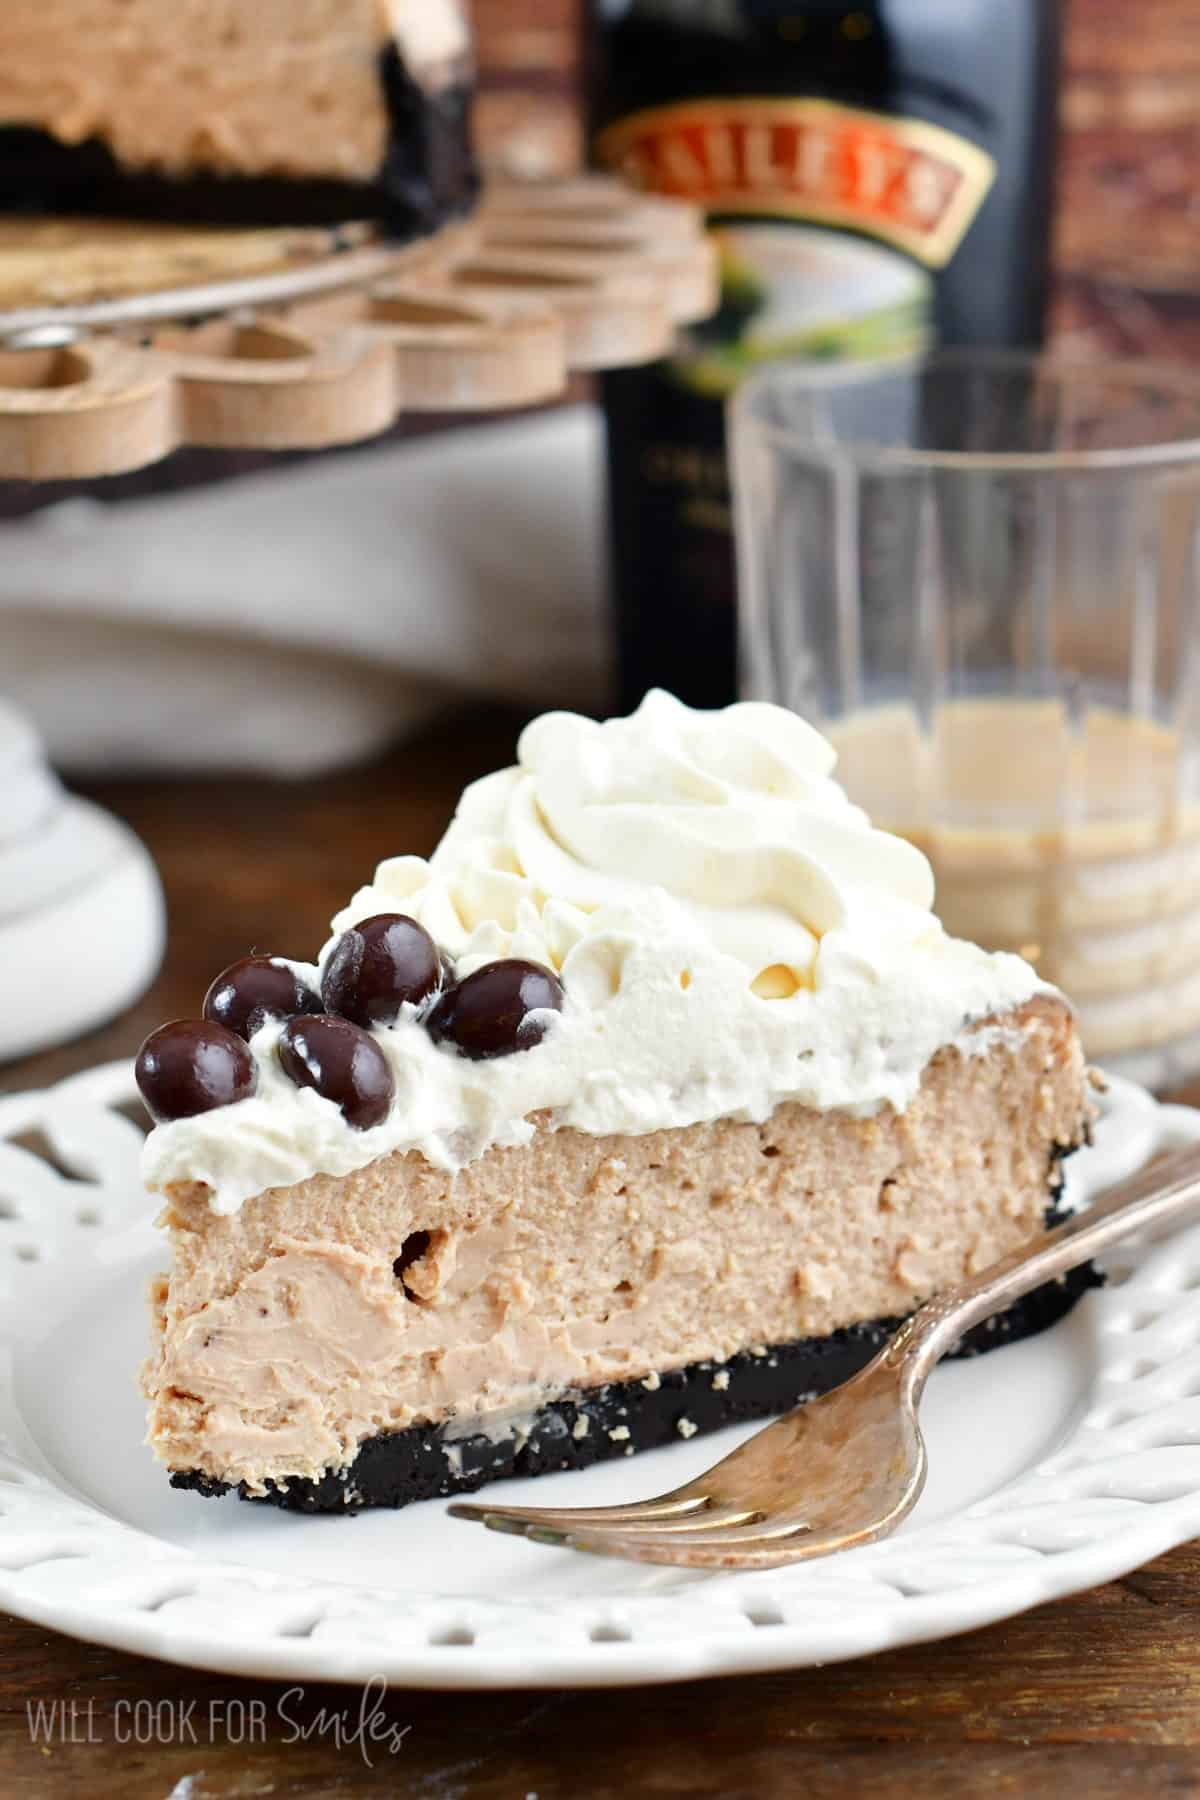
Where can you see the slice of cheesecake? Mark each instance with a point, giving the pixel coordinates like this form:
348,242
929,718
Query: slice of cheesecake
247,112
650,1102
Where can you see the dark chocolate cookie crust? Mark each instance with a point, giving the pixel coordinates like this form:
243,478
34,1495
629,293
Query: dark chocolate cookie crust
582,1428
428,178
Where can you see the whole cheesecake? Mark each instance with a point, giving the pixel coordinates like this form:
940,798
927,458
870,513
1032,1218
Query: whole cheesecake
238,111
653,1100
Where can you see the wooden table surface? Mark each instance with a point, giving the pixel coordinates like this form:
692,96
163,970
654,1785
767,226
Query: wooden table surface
1097,1696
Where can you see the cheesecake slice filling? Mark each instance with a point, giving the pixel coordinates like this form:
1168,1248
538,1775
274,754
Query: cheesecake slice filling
250,112
773,1108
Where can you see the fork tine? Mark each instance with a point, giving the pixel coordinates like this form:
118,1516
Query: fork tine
706,1524
742,1527
853,1460
666,1506
768,1553
765,1543
753,1551
698,1520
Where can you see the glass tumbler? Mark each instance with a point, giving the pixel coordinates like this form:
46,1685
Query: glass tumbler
978,573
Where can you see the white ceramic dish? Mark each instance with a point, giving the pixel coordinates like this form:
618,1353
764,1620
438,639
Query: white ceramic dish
78,893
1056,1464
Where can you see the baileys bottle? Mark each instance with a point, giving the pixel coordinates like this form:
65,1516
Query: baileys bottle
876,177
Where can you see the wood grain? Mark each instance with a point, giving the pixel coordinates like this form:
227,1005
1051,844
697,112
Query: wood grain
1099,1695
460,323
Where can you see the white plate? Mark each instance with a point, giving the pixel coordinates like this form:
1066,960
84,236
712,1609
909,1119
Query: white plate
1056,1464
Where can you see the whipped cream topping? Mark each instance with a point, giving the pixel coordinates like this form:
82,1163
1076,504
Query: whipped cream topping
730,930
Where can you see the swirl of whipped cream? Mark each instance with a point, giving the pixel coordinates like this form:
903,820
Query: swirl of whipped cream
733,814
731,933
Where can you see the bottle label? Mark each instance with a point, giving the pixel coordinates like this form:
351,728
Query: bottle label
830,222
914,185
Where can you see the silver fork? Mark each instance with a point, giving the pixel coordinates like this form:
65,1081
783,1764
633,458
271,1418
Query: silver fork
848,1467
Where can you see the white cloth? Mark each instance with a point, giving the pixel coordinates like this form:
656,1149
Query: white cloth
300,618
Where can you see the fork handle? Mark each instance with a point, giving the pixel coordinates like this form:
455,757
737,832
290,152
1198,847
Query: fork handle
1166,1191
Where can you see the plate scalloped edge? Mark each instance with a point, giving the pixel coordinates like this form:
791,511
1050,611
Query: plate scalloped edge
1121,1487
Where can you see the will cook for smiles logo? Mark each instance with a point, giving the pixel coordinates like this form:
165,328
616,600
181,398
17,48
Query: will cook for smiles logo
365,1728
